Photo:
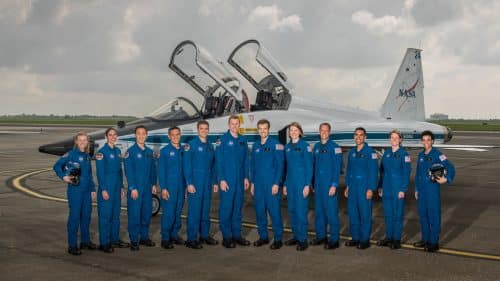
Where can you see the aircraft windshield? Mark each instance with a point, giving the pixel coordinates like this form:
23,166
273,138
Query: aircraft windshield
210,78
177,109
260,68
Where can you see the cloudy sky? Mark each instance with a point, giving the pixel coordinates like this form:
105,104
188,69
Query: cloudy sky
111,57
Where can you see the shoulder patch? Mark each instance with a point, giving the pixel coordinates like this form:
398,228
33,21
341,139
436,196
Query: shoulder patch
186,147
217,142
279,146
407,159
309,149
338,150
374,156
442,157
99,156
65,154
125,155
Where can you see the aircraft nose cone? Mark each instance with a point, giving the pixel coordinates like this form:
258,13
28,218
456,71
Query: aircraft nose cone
57,148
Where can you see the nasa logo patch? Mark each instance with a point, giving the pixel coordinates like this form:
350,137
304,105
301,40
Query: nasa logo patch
407,159
257,150
80,158
200,148
99,156
374,156
172,153
230,143
139,155
111,156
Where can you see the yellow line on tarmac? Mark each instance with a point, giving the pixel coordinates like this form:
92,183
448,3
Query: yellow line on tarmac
16,183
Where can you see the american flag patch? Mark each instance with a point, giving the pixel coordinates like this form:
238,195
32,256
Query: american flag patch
442,157
279,147
374,156
309,149
99,156
338,150
407,159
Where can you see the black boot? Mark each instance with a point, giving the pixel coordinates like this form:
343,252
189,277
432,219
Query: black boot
167,244
384,242
318,241
396,244
420,244
276,245
261,242
332,245
88,246
134,246
228,243
177,241
194,245
351,243
74,251
147,242
241,241
364,245
209,241
302,246
120,244
291,242
106,248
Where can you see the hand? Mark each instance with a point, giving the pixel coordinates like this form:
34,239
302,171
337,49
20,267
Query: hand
216,188
191,189
416,195
401,195
332,191
93,195
246,184
306,191
105,195
223,186
284,191
380,192
369,194
252,186
67,179
275,189
442,180
134,194
123,192
346,192
164,194
153,189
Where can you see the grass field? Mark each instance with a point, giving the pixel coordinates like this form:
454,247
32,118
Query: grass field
471,125
28,120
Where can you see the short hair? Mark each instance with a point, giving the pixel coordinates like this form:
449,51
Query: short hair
427,133
297,125
202,122
397,132
234,116
140,127
326,124
360,129
109,130
173,128
264,121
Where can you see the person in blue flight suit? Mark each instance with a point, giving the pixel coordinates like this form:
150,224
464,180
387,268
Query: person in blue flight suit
327,166
428,192
299,171
110,180
172,185
266,168
395,170
361,181
140,171
75,169
232,173
199,172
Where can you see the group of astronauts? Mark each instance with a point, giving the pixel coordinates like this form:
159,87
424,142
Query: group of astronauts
270,170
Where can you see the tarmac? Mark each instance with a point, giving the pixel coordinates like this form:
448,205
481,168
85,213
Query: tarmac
33,213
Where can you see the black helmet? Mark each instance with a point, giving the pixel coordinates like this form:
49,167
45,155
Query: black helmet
73,170
437,171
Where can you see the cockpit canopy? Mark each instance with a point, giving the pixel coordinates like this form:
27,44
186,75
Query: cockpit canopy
178,109
260,68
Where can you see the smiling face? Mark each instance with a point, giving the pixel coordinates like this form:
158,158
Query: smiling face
234,125
111,137
324,133
294,133
203,130
263,130
427,142
140,136
175,137
395,140
359,137
82,142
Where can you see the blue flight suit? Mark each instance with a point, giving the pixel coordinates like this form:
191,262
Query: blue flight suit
79,196
110,179
140,171
266,167
171,178
199,170
299,171
395,170
232,167
361,176
327,166
429,195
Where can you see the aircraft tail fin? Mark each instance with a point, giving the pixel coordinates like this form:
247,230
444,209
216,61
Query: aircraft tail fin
405,100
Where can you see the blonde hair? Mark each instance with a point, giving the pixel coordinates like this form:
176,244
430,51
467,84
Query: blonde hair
297,125
79,134
397,132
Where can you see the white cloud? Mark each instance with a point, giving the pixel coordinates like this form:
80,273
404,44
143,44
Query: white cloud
273,19
15,11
